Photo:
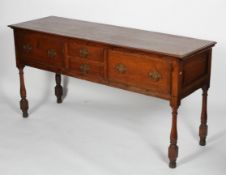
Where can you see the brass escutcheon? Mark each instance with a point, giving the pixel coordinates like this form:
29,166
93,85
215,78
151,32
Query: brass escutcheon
84,53
27,47
51,53
155,76
84,68
121,68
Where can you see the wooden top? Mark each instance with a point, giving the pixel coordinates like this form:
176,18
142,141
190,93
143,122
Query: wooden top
171,45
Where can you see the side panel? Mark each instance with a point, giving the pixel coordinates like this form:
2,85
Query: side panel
196,72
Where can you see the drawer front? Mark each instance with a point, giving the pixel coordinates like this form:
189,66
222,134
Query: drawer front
40,48
148,73
86,69
85,51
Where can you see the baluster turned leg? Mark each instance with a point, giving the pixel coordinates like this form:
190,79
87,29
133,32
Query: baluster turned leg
173,148
203,127
23,102
58,88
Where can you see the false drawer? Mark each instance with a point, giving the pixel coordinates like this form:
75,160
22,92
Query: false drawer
141,71
86,69
40,48
86,51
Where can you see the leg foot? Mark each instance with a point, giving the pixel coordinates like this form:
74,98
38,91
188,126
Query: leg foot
24,107
25,114
203,129
173,153
202,142
202,134
58,88
173,164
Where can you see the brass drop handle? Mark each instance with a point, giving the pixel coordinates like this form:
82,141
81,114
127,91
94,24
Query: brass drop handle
51,53
155,76
121,68
84,68
27,47
84,53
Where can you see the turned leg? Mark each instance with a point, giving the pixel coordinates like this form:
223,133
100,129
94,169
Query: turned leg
58,88
173,148
203,127
23,101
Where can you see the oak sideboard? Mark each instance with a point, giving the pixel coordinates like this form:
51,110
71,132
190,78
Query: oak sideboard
162,65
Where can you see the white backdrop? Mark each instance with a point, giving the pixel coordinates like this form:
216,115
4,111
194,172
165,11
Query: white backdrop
102,130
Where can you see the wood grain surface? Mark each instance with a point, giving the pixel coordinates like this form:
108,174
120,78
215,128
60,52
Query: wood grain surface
167,44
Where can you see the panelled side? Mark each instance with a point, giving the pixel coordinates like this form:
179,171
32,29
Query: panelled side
196,72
